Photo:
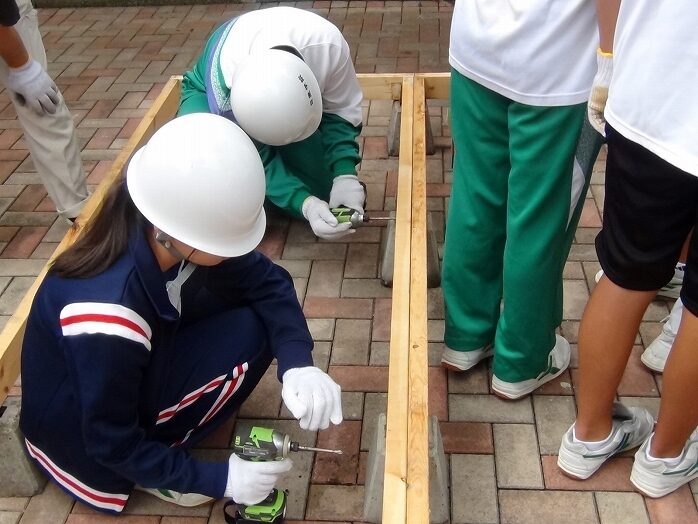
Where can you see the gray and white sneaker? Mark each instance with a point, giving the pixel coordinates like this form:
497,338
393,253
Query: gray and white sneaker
655,478
464,360
188,500
631,427
656,353
558,361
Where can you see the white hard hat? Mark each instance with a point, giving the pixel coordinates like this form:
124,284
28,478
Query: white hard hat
200,180
275,97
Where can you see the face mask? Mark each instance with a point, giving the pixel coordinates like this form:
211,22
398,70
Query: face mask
174,287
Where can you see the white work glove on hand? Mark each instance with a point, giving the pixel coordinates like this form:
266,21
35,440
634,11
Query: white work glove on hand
31,85
322,221
250,482
312,397
347,191
599,91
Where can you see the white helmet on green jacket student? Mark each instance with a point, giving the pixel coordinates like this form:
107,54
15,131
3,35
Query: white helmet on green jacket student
200,180
275,97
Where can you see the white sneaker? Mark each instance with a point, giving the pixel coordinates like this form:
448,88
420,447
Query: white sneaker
558,361
655,478
631,426
598,275
464,360
671,290
656,353
187,500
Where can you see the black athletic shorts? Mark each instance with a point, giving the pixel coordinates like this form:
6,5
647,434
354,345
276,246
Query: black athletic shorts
650,208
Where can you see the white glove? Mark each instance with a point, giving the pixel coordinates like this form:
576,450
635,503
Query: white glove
32,85
312,397
250,482
322,221
599,91
347,191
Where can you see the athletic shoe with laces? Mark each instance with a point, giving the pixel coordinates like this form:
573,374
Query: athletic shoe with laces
464,360
188,500
656,353
558,361
671,290
655,478
631,427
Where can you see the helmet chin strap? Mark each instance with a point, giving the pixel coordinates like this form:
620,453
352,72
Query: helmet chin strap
289,49
165,241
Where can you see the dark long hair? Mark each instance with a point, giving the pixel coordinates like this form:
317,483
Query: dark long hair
105,238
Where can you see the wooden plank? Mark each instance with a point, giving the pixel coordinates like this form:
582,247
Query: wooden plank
395,480
163,109
418,416
381,86
437,85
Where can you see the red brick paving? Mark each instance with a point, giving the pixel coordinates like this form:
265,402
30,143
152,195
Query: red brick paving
111,63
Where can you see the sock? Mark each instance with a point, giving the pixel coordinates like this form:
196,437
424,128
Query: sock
669,461
592,446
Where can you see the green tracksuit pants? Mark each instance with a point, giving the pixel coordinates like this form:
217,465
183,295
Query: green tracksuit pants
507,231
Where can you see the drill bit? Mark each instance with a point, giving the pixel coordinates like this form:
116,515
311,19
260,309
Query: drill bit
372,218
297,447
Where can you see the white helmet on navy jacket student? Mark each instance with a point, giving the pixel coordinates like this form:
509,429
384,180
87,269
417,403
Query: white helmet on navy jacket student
275,97
200,180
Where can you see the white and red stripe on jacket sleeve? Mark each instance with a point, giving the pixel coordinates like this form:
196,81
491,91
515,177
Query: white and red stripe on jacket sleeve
109,319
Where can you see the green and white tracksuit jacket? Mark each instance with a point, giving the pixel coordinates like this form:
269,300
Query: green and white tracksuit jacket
298,170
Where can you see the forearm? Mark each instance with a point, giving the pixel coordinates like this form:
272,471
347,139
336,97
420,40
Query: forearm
340,141
285,189
607,13
12,48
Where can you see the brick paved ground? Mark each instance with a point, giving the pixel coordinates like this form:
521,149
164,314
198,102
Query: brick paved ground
110,64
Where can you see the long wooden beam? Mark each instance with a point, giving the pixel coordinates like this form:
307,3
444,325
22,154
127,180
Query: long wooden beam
396,445
418,405
164,108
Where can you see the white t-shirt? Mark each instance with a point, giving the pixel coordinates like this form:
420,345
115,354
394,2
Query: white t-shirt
537,52
653,98
320,42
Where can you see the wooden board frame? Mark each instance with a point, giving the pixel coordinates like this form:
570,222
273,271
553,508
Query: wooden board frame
406,485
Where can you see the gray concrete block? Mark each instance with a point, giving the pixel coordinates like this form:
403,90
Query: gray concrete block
438,475
375,474
394,131
19,477
387,255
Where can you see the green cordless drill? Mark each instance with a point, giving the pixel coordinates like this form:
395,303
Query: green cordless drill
256,443
271,509
357,219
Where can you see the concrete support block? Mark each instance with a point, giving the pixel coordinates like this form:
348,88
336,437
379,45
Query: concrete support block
19,477
439,505
394,131
375,474
433,264
387,255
